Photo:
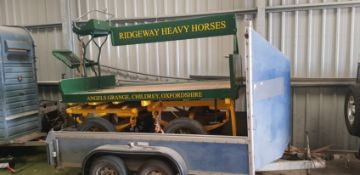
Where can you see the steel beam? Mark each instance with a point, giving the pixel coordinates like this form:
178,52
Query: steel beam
312,6
44,26
260,17
295,82
268,9
68,38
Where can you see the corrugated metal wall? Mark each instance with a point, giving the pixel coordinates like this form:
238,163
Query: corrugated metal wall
319,112
35,13
321,41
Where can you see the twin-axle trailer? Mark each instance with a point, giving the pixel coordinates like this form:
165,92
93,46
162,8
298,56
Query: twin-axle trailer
268,115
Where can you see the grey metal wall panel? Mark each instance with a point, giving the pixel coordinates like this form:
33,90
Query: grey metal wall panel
321,43
319,112
49,92
46,40
2,12
30,12
38,12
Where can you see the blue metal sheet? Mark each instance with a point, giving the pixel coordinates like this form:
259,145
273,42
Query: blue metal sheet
199,156
271,114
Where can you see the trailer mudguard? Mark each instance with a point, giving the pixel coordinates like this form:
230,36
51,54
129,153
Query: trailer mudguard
269,101
133,149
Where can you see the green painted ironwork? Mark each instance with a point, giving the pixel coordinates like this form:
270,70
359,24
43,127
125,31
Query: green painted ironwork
83,96
85,84
93,27
67,57
83,89
216,25
70,59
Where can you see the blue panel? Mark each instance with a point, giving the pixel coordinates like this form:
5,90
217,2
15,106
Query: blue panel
225,158
271,101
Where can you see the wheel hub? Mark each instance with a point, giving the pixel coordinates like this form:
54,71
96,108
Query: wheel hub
155,172
106,171
351,110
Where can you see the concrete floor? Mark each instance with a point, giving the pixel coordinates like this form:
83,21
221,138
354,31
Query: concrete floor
346,165
33,161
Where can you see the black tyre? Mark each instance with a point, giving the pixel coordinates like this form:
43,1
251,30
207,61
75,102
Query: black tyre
352,110
184,126
155,167
97,124
109,165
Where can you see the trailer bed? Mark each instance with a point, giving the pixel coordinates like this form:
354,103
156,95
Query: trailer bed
200,85
103,89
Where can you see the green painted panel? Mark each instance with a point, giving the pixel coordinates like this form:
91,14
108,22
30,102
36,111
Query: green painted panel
94,27
216,25
86,84
167,95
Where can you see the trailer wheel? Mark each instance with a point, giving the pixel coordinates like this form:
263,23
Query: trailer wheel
352,110
109,165
155,167
97,124
184,126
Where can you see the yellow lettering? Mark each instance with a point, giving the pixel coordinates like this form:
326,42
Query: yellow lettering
206,26
157,32
146,33
121,35
223,24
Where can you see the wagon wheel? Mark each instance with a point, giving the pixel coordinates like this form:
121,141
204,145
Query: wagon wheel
155,167
184,126
352,110
108,165
97,124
